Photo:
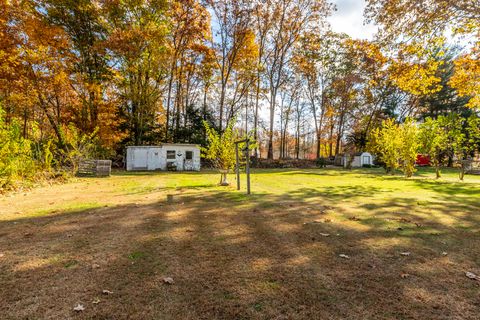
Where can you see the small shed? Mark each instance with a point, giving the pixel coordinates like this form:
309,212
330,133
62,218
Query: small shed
359,160
339,160
167,156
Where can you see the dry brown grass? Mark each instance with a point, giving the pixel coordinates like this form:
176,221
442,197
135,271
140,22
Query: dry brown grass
233,258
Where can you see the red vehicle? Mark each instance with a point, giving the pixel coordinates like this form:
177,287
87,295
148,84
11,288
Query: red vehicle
422,160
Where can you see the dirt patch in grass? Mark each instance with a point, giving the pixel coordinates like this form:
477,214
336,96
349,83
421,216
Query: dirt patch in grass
270,256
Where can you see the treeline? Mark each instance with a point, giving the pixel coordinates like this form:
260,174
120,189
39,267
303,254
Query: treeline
143,72
95,76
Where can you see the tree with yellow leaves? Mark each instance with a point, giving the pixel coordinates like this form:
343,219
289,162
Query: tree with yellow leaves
418,25
137,39
466,78
396,145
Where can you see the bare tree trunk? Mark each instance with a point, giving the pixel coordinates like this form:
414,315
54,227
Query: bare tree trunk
273,95
317,130
330,149
246,114
257,99
339,132
25,121
297,143
221,106
169,99
280,145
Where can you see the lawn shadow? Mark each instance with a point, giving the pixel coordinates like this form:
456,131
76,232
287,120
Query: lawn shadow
162,172
234,256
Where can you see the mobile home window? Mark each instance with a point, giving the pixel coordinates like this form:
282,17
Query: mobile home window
170,154
189,155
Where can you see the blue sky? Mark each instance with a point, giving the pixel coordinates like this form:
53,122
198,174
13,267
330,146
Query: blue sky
349,19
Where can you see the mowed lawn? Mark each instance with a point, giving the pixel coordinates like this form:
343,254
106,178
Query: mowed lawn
307,244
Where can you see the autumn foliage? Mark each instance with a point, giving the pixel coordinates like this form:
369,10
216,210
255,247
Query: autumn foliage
139,72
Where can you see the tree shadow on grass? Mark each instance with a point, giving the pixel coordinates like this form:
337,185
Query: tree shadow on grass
335,171
238,257
337,192
448,189
160,172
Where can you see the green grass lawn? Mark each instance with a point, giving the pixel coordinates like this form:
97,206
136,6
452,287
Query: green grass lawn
307,244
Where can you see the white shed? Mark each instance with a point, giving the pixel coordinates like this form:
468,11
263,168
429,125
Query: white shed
359,159
174,156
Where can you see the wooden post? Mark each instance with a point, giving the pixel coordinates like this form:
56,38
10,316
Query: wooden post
247,166
247,156
237,166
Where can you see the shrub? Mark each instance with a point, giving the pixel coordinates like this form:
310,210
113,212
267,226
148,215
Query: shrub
409,147
16,163
396,145
321,162
221,149
386,143
78,147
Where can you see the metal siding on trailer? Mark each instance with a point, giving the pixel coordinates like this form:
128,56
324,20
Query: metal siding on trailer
180,157
140,159
155,157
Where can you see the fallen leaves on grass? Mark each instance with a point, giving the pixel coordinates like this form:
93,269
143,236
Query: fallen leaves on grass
444,253
354,218
168,280
96,300
472,276
404,275
79,308
405,253
107,292
319,221
344,256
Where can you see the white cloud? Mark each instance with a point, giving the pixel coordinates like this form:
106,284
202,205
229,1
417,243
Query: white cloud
349,19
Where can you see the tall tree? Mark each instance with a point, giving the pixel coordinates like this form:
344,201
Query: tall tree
291,19
138,42
447,99
230,27
264,19
316,59
188,33
82,21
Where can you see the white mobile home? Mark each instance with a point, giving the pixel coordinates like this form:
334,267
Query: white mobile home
167,156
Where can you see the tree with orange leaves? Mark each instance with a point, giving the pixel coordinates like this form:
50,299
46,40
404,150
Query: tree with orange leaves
187,47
